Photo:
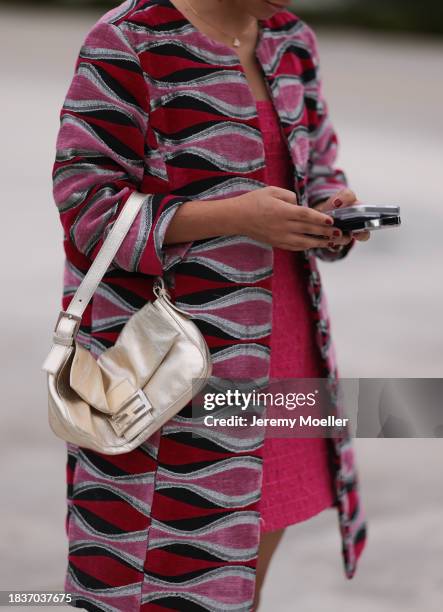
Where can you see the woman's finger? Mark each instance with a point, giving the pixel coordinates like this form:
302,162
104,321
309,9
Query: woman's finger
344,240
304,214
343,198
362,236
323,230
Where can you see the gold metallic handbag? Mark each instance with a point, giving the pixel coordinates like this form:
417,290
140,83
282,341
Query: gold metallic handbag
159,362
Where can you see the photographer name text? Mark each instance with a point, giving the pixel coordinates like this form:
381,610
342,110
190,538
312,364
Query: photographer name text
302,421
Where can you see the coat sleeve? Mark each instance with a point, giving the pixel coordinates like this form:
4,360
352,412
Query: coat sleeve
100,156
323,179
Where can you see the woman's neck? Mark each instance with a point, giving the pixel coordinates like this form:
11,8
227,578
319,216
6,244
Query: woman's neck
225,15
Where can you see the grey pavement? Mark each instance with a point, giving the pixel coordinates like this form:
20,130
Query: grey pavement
385,97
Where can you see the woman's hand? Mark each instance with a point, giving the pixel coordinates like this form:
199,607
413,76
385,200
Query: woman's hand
342,199
271,215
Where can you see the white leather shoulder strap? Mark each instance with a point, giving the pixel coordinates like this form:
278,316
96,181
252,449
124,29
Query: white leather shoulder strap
104,257
69,321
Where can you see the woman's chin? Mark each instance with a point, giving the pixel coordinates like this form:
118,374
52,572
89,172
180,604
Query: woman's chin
268,9
274,7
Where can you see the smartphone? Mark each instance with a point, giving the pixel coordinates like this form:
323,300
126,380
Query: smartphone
362,217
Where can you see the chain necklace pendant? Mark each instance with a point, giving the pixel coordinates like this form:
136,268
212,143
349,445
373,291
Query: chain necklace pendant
235,40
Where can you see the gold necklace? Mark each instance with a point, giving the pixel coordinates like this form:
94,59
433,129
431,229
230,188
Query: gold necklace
235,40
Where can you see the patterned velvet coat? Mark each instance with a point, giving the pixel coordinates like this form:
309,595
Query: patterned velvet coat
157,106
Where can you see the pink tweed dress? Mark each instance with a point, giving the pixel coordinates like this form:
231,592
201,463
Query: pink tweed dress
297,481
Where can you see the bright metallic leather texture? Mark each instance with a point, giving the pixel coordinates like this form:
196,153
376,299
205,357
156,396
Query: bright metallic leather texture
160,351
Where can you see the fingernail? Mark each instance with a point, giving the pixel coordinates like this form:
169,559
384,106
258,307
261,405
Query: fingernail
338,203
329,221
330,245
336,233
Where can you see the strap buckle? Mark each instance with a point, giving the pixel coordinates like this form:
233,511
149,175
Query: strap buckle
135,408
66,338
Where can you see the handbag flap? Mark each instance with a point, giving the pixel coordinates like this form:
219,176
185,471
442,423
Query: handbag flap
142,345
